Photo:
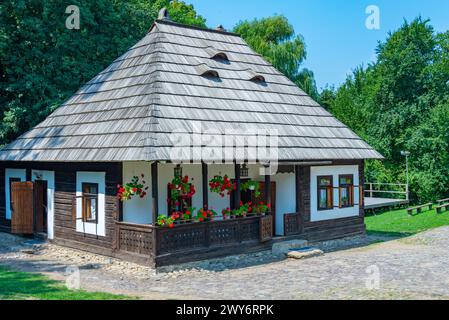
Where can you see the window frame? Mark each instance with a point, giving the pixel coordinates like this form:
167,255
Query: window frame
329,193
350,189
85,202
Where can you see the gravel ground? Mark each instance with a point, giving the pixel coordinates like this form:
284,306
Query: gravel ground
370,267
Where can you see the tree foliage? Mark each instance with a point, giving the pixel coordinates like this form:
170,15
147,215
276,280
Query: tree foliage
274,38
401,102
42,63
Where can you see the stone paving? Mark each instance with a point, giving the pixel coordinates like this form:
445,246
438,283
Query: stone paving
407,268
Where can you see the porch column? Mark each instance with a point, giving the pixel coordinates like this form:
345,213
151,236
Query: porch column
297,188
237,185
267,186
154,191
205,186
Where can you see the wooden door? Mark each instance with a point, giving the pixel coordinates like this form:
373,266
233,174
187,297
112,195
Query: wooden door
40,208
261,198
22,214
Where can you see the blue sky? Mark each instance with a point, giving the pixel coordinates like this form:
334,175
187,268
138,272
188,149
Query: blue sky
334,30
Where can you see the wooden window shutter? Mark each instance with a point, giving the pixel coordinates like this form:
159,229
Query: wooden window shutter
74,209
340,205
351,195
330,200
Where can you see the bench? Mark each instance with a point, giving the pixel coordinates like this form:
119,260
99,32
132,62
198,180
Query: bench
440,208
440,202
419,208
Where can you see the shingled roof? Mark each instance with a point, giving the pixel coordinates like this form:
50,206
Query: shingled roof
178,78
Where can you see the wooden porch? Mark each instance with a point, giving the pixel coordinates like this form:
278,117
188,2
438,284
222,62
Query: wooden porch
160,246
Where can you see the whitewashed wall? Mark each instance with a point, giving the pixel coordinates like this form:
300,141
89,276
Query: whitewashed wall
336,213
138,210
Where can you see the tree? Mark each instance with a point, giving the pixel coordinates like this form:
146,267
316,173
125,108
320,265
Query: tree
274,38
400,102
43,63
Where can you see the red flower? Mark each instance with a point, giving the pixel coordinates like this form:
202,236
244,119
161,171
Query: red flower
268,205
171,225
241,203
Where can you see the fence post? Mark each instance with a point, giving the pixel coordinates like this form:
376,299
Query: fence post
371,190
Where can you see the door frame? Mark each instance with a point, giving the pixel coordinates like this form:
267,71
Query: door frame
11,173
48,176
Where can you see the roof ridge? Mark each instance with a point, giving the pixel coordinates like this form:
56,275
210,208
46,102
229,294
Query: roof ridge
153,110
181,25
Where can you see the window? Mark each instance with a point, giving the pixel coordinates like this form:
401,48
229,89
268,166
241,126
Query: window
90,202
325,193
346,191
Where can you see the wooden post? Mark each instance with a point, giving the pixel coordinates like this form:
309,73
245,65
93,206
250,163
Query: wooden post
237,184
154,192
297,188
205,186
267,190
371,188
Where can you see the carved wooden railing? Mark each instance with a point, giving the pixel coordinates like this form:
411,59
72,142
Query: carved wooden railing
292,224
134,238
207,234
155,241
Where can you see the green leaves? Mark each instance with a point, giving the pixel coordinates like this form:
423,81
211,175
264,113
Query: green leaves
400,103
274,38
42,63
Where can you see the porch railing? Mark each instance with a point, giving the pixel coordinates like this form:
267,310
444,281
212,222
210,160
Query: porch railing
387,190
155,241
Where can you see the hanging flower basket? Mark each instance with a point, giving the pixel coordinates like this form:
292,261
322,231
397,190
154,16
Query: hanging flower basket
137,187
252,186
222,185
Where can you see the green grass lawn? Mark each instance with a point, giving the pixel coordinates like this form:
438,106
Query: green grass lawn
24,285
400,223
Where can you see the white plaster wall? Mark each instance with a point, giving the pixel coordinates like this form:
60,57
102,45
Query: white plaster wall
12,173
216,202
165,175
138,210
88,227
285,198
48,176
285,188
336,213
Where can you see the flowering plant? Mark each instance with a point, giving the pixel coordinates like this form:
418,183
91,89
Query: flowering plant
205,214
133,188
221,185
164,221
180,188
226,212
251,185
261,208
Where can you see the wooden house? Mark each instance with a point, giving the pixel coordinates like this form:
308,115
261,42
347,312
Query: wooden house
62,177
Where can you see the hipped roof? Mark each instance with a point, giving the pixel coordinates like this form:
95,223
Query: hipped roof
129,110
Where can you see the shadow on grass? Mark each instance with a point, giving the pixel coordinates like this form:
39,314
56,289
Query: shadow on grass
24,285
389,234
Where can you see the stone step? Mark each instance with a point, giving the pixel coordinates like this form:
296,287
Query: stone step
304,253
283,248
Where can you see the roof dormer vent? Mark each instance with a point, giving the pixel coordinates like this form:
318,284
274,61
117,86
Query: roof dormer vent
163,14
255,77
216,55
205,71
